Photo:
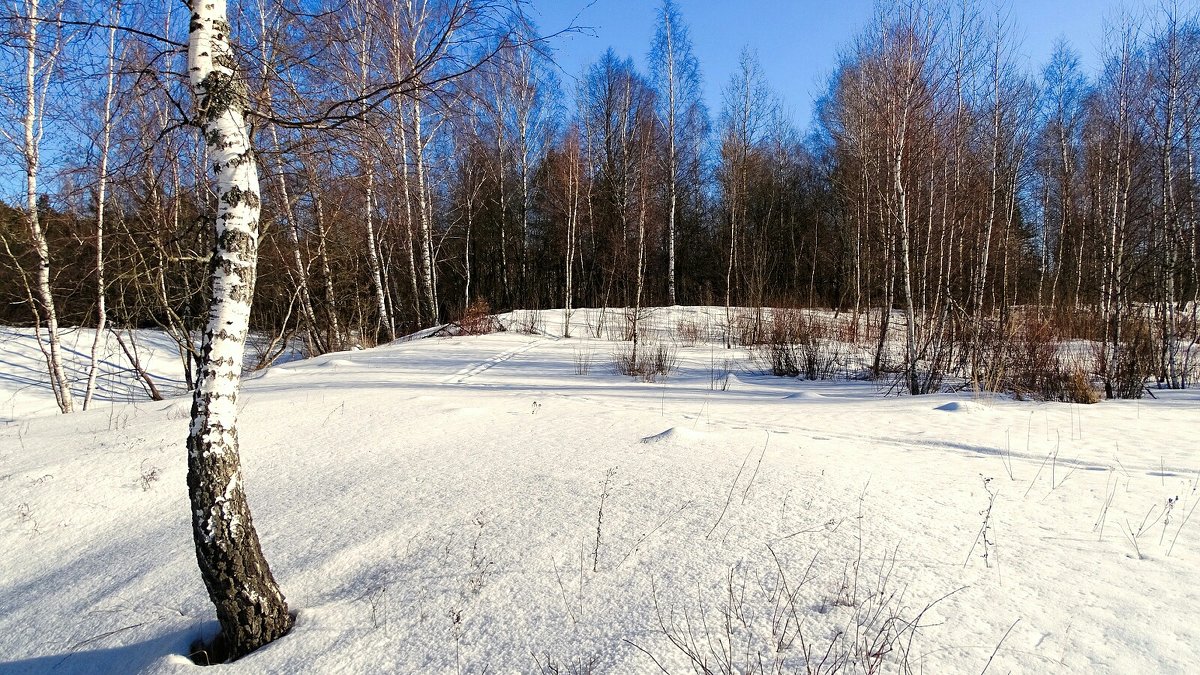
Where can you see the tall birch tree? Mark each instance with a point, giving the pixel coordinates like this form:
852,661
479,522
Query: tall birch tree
40,61
250,607
675,74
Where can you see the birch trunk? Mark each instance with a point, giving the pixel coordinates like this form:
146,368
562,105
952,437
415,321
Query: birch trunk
101,199
672,164
573,190
1171,236
385,316
250,607
425,213
334,341
35,98
316,343
525,206
910,331
408,216
299,273
502,196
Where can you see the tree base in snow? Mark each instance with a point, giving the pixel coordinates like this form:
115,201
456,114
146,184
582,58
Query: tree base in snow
209,652
214,652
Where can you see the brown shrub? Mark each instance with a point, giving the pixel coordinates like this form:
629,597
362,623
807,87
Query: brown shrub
1026,361
689,332
651,362
799,344
477,319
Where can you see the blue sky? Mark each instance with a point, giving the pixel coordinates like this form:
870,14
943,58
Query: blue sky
797,40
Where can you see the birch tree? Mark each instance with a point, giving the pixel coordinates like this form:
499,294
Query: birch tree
675,74
106,124
250,607
40,60
750,108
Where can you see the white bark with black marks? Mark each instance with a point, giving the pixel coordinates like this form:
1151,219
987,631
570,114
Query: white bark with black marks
37,81
250,607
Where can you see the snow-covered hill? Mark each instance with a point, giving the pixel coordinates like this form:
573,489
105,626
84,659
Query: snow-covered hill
507,503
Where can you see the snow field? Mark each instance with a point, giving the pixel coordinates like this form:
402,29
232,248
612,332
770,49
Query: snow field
434,506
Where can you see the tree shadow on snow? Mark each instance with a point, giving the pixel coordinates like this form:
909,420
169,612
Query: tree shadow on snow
129,658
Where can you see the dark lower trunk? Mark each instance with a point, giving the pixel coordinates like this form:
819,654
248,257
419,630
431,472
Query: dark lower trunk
250,607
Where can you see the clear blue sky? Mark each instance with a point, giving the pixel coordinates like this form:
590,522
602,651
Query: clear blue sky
797,40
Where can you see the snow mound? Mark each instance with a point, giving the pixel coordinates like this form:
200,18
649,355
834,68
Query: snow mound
178,409
803,395
737,383
275,373
469,411
962,407
674,435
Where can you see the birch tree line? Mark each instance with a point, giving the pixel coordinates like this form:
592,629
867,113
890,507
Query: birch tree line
975,191
944,194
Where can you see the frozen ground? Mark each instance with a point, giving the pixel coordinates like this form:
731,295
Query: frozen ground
476,504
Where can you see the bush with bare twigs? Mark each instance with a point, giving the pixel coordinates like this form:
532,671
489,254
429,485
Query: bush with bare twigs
689,332
1025,359
1134,360
749,327
477,319
763,622
648,361
800,344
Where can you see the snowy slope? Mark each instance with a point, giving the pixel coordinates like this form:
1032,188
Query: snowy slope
433,506
24,389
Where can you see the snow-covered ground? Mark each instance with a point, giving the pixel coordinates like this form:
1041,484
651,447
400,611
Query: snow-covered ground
24,390
477,504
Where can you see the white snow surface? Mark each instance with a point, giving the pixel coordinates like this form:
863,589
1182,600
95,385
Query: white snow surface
24,388
432,506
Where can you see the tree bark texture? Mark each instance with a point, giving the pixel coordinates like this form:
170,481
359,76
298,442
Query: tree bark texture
250,607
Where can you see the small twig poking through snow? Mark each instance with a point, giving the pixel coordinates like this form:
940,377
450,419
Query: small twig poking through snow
997,649
1103,518
149,476
1037,475
374,597
456,616
758,466
829,526
1054,469
116,421
1133,535
22,429
647,653
1181,524
340,409
729,497
1166,520
985,530
1006,458
95,638
481,565
577,665
581,545
637,544
563,589
583,361
608,476
25,515
763,627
